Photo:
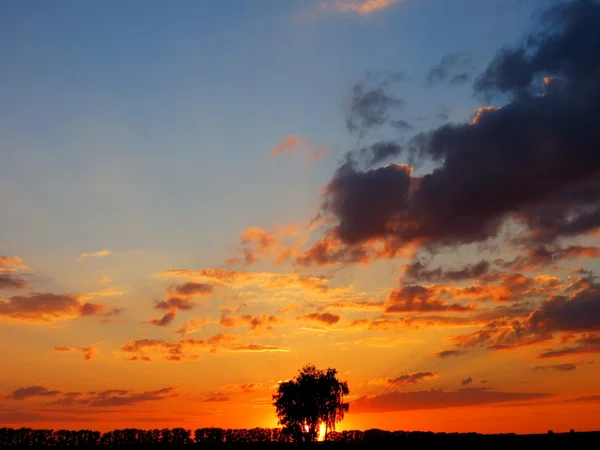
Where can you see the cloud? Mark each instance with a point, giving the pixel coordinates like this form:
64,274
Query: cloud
189,349
449,353
217,397
418,271
541,256
467,381
191,289
586,344
280,244
11,281
261,322
419,299
296,144
410,378
13,264
437,399
11,273
588,398
47,307
178,299
114,397
575,314
497,171
32,391
579,312
370,103
323,318
88,352
280,286
453,68
92,255
361,7
193,325
558,367
353,305
245,387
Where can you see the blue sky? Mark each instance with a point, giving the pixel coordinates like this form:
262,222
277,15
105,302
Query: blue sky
146,125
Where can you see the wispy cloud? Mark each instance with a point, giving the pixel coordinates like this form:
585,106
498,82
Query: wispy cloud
92,255
88,352
296,144
362,7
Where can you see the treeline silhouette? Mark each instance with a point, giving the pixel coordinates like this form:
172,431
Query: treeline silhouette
268,437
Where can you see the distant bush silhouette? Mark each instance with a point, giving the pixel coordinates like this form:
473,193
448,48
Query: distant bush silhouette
269,438
313,398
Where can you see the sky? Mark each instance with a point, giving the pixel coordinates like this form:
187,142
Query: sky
200,198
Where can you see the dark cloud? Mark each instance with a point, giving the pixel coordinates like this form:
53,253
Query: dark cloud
325,318
559,367
369,106
410,378
11,281
532,161
540,256
32,391
586,344
418,271
163,321
580,312
401,125
192,289
588,398
437,399
217,397
123,398
419,299
171,306
261,322
47,307
373,155
467,381
451,68
449,353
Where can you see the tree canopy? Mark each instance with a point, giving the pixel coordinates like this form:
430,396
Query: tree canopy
313,398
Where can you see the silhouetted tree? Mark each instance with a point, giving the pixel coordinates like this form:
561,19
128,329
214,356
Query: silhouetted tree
313,397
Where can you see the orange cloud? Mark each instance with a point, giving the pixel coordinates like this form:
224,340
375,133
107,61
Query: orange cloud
88,352
47,307
293,144
188,349
92,255
481,112
277,244
13,264
280,286
246,387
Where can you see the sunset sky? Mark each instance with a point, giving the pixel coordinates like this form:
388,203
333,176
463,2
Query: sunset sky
201,197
